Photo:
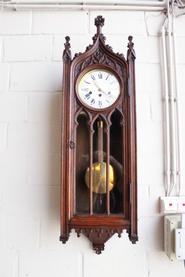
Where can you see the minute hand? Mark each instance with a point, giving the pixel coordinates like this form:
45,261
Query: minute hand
100,89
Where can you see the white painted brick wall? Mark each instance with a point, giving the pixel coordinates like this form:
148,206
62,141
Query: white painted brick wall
27,48
9,262
31,45
78,42
3,136
4,80
55,23
47,76
50,263
15,23
1,48
152,82
44,107
13,107
119,265
130,23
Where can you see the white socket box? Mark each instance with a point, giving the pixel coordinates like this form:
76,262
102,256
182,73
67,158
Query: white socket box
180,244
171,223
172,204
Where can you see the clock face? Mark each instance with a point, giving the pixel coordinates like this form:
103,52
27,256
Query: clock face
98,89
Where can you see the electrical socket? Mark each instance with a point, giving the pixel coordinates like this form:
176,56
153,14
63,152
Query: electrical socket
172,204
181,204
168,204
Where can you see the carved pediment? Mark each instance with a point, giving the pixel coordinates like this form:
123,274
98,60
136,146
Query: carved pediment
100,53
101,57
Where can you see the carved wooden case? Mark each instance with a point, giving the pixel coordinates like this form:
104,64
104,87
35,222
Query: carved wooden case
98,215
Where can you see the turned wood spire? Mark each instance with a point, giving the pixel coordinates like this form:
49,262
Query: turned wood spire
99,23
131,51
67,50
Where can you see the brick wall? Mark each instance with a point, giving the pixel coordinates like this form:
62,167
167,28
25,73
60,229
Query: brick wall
31,46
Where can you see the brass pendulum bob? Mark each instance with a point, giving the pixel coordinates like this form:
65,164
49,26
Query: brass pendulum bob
99,171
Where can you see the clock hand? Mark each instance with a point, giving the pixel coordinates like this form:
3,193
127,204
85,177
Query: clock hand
100,89
98,86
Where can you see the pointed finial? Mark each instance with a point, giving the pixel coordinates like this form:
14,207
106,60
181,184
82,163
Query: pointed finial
67,43
130,43
99,23
67,51
130,47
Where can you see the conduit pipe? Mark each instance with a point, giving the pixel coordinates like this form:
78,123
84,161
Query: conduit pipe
166,112
177,109
172,103
171,136
50,5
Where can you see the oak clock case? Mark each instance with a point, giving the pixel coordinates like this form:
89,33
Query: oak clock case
99,172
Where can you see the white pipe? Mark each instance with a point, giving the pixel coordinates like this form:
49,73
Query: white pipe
166,113
172,112
121,3
178,161
175,135
135,5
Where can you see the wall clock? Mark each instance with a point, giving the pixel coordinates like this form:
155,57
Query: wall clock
99,176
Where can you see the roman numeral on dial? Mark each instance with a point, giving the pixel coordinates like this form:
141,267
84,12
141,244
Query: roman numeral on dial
88,95
100,75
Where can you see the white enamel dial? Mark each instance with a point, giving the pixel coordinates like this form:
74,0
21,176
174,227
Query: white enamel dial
98,89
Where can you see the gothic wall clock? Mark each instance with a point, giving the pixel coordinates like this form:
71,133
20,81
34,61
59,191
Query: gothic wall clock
99,176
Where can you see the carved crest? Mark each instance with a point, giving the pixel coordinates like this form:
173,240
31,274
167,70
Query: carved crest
100,57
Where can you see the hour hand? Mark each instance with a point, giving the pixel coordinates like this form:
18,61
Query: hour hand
99,88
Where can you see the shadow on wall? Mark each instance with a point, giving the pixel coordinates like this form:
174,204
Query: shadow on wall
54,158
55,161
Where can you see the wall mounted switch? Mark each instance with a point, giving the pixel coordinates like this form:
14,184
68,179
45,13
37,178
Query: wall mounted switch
168,204
181,204
171,222
172,204
180,244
